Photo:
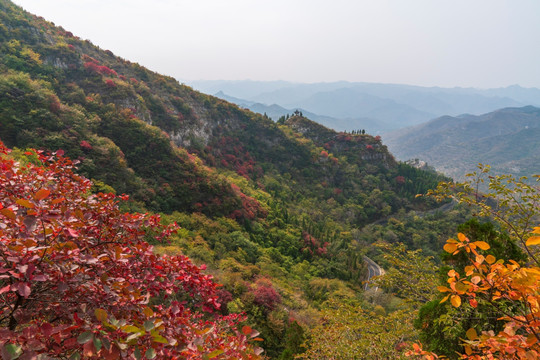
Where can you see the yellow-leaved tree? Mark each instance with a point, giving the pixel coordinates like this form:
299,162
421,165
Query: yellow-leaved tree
511,289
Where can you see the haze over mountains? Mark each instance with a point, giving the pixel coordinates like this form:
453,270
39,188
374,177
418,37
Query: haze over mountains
378,108
506,139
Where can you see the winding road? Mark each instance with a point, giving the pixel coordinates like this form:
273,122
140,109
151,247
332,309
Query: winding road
373,270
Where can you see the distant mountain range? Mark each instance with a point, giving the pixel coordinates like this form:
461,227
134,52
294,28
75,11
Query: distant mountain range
375,107
506,139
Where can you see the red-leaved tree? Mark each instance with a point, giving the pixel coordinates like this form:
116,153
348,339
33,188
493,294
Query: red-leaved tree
77,279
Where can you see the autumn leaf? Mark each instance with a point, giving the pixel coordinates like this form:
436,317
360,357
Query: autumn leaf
533,240
41,194
471,334
455,300
490,259
25,203
22,288
482,245
450,248
101,315
247,330
8,213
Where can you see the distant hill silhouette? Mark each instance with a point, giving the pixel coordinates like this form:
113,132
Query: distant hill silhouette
506,139
376,107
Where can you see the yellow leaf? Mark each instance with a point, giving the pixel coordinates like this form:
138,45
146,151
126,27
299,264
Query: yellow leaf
531,339
101,315
444,299
461,287
443,289
148,312
536,230
482,245
455,300
533,240
490,259
471,334
27,204
476,279
468,350
462,237
450,248
130,329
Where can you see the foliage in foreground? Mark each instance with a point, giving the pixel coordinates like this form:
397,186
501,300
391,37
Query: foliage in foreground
78,279
503,287
496,282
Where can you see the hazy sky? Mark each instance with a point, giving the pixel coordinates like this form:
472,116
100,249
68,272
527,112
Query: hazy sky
478,43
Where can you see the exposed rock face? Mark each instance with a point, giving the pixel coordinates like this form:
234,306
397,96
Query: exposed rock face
56,62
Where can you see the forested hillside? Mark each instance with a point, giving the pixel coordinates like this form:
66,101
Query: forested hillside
281,213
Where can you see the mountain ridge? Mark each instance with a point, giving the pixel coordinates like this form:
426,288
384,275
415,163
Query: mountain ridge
455,145
411,104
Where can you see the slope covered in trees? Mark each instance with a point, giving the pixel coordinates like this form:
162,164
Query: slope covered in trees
281,214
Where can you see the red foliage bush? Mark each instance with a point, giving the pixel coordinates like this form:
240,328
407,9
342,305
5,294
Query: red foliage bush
400,179
313,245
95,67
250,206
85,145
78,280
265,295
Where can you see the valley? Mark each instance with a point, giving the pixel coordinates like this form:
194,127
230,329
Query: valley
143,218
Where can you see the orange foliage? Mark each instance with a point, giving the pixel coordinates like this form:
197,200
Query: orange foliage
493,281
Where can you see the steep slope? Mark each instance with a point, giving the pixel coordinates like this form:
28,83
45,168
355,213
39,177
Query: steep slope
274,210
94,98
505,139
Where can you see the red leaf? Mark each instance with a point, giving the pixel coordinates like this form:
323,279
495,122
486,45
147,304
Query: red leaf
247,330
88,349
22,288
72,232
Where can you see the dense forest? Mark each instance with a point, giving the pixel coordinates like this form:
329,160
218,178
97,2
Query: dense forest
278,216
